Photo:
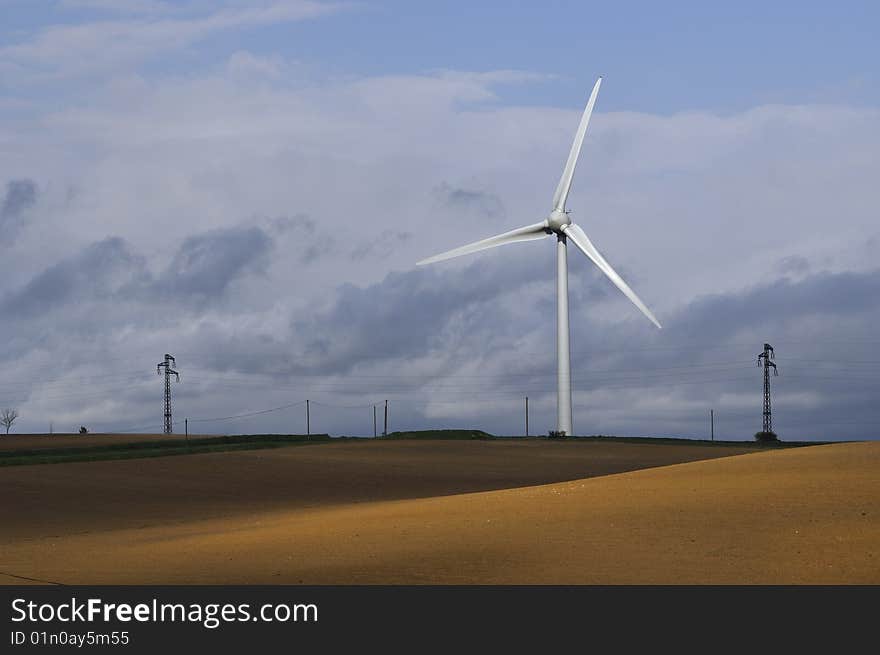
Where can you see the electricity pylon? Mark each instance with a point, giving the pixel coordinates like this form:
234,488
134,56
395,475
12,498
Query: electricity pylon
167,364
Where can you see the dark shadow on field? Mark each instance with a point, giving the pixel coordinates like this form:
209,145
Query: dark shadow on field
58,499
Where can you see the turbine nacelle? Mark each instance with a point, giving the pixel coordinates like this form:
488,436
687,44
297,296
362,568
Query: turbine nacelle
558,220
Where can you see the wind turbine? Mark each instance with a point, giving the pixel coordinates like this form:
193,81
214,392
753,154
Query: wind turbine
559,223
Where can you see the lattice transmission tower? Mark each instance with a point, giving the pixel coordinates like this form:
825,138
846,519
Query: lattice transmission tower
765,359
169,371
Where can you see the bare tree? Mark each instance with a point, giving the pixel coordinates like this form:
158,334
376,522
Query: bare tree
7,418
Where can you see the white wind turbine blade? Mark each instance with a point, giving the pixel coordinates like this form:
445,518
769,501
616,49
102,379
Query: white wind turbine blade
527,233
561,195
580,239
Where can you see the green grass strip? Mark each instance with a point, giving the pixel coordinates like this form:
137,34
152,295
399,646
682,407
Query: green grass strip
155,449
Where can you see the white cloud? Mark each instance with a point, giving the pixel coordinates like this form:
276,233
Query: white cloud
101,47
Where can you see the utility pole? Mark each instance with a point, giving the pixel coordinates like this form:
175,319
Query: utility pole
308,421
169,371
527,416
767,356
712,423
385,431
374,421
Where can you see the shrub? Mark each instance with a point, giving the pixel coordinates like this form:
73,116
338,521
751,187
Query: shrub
766,436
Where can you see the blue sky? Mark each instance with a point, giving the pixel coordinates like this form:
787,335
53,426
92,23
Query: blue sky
663,57
247,185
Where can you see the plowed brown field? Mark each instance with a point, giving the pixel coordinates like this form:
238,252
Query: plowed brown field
450,512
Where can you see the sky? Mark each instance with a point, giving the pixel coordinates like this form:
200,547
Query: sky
248,185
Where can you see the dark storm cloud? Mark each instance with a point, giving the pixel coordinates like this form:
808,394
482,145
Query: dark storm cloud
738,323
19,197
471,200
466,312
407,314
98,272
823,295
111,271
206,264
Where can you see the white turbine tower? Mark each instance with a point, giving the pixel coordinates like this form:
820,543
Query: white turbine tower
560,224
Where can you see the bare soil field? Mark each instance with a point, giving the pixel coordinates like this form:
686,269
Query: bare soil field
450,512
67,498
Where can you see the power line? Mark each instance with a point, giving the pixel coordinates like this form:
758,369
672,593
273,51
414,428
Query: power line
335,406
262,411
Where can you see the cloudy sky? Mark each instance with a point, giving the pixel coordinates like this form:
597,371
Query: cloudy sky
247,186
